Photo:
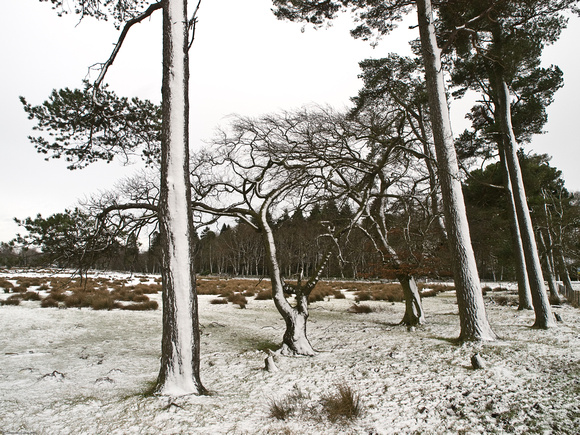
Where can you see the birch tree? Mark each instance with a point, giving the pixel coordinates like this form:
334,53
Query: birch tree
93,140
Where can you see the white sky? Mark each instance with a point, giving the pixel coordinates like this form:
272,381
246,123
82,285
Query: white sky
243,61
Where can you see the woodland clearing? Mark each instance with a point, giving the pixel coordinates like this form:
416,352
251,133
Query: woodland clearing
85,371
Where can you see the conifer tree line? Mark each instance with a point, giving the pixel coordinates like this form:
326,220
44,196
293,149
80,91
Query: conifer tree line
382,190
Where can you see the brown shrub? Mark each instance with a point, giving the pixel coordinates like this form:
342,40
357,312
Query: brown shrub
339,295
148,288
218,301
264,295
5,284
49,302
20,289
31,296
144,306
360,309
363,296
10,301
238,299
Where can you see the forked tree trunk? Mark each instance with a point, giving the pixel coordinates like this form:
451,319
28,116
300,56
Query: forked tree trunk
295,340
543,313
414,314
524,293
472,314
179,372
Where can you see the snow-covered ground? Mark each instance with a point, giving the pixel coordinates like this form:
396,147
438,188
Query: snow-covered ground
79,371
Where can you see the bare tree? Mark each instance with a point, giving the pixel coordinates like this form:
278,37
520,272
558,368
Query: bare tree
251,174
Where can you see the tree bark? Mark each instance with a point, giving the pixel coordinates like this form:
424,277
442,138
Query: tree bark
295,340
179,372
524,293
472,314
414,314
545,249
543,313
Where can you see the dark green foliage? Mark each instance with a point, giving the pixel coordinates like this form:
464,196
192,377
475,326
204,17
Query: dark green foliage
84,131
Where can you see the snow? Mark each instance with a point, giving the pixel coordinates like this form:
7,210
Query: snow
79,371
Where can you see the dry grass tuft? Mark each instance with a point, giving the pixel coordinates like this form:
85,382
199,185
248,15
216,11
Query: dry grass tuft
345,404
218,301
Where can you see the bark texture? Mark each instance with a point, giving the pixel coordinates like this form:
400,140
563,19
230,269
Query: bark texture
414,314
179,372
473,318
524,292
544,317
295,340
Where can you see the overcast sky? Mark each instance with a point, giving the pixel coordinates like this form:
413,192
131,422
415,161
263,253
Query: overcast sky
243,61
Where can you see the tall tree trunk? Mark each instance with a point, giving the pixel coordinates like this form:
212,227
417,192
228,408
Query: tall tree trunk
179,372
543,313
524,292
545,249
472,314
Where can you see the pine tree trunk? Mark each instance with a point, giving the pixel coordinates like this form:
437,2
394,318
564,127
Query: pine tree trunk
414,314
543,313
179,372
545,249
524,293
472,314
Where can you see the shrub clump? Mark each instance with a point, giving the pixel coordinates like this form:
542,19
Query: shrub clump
218,301
238,299
264,295
360,309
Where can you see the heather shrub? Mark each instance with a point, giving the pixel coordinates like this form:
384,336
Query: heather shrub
360,309
345,404
31,296
338,294
218,301
49,302
264,295
144,306
6,285
10,301
238,299
362,296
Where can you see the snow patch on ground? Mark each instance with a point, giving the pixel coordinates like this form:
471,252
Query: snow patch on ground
77,371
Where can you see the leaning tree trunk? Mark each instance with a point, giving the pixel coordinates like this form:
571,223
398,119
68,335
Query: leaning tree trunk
295,340
179,373
545,249
472,314
543,313
524,293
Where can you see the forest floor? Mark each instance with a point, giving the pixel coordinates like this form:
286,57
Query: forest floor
83,371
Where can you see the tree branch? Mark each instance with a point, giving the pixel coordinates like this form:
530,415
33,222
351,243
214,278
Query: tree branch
105,66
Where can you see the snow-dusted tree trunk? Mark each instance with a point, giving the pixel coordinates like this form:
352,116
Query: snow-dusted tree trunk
544,316
524,293
295,340
473,318
414,314
179,373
